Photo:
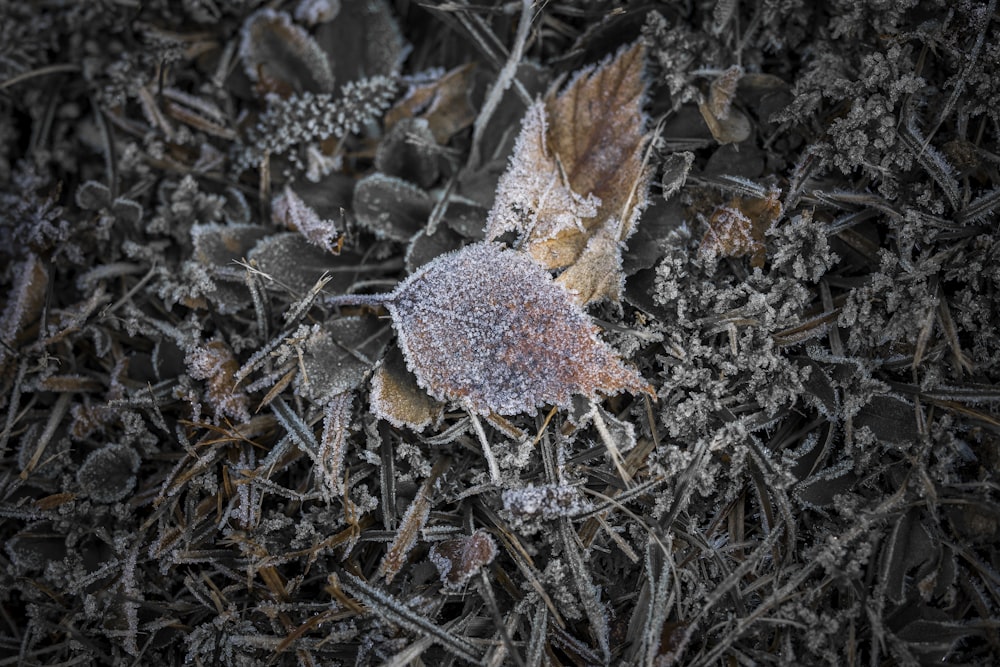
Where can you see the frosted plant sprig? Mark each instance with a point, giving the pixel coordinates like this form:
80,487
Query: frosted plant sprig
310,117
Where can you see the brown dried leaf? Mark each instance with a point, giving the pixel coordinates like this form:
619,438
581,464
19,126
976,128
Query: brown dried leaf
597,273
488,328
578,169
397,397
443,103
738,229
460,559
727,125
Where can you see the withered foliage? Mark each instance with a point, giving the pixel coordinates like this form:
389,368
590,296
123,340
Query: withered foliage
342,332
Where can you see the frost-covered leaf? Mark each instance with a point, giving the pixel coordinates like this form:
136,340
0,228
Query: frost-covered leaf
460,559
727,125
216,248
391,207
218,245
544,502
578,168
488,328
280,56
24,302
409,151
890,419
214,362
397,397
108,474
597,273
297,265
289,210
424,247
92,196
675,171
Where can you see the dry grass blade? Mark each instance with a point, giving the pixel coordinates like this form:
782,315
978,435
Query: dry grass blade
597,614
413,521
380,602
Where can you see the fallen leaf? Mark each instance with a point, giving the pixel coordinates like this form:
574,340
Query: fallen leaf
738,228
488,328
397,397
280,56
460,559
443,103
578,171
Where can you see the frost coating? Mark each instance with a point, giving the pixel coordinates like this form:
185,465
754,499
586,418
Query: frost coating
487,327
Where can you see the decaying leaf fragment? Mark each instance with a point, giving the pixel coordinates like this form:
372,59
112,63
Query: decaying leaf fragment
738,228
488,328
578,174
460,559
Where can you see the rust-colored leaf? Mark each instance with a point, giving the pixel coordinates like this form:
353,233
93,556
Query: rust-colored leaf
488,328
738,228
460,559
578,170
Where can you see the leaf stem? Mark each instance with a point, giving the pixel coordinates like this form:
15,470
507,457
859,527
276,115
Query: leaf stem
341,300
